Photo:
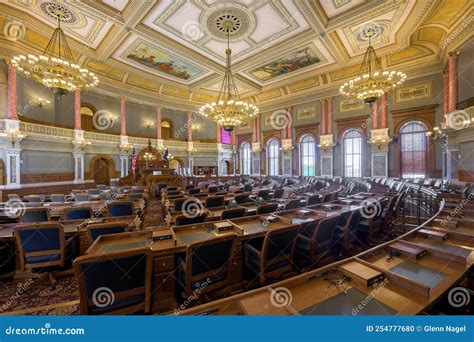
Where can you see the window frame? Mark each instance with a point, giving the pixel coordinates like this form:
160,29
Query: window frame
245,146
346,138
310,140
273,145
405,134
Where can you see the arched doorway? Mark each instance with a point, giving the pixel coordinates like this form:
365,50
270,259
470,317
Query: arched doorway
166,129
102,169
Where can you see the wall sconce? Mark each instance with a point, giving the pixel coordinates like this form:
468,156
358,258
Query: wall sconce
41,102
82,144
437,134
149,123
379,142
13,136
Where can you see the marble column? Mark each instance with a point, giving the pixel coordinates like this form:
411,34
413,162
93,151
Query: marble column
77,109
190,126
123,165
330,115
218,134
375,115
78,167
123,118
453,80
323,117
383,116
158,122
11,94
445,94
256,148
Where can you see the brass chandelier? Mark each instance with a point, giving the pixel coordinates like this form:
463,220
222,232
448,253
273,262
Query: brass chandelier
228,110
372,81
56,68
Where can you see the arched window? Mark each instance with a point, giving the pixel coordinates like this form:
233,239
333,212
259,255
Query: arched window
352,145
245,158
413,149
273,155
308,155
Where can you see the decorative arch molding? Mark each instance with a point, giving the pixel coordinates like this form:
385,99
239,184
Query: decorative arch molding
267,136
3,78
311,129
354,122
242,138
89,105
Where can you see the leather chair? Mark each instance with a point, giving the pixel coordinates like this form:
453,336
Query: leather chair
233,213
115,284
206,266
7,259
93,192
278,193
82,197
293,204
314,242
267,208
248,188
183,220
98,229
243,198
272,257
214,201
34,215
312,200
328,198
212,189
178,204
78,213
369,228
121,208
346,232
194,191
43,248
135,196
34,198
264,194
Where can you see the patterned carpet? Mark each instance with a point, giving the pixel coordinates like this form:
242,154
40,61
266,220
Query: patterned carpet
28,296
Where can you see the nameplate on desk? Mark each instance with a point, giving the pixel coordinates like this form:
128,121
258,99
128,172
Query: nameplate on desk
367,275
223,226
160,236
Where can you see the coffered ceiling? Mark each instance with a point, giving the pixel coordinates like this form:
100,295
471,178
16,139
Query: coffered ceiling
168,51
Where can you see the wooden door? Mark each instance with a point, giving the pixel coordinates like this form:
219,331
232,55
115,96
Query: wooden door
101,171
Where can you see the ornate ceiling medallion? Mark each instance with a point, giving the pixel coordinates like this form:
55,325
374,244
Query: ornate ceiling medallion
56,10
372,31
214,21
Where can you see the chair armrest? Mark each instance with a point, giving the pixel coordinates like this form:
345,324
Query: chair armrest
252,250
304,238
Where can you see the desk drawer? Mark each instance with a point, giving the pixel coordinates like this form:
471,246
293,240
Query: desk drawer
163,264
163,287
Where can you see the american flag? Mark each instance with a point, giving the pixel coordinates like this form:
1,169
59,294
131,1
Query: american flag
133,160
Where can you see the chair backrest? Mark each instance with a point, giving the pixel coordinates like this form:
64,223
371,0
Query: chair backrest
324,232
214,201
182,220
267,208
208,262
212,189
233,213
58,198
93,191
40,245
98,229
78,213
265,194
242,198
121,208
352,222
278,193
34,198
194,191
178,204
122,280
33,215
13,196
135,196
247,187
293,204
279,243
312,200
81,197
328,197
106,196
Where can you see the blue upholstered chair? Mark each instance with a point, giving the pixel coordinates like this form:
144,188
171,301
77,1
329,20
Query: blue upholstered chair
194,191
121,208
214,201
206,266
115,284
34,215
93,192
43,248
34,198
60,198
272,257
314,241
106,196
183,220
78,213
96,230
135,196
82,197
178,204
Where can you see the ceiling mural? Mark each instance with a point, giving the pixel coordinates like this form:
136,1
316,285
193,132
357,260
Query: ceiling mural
174,50
291,62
